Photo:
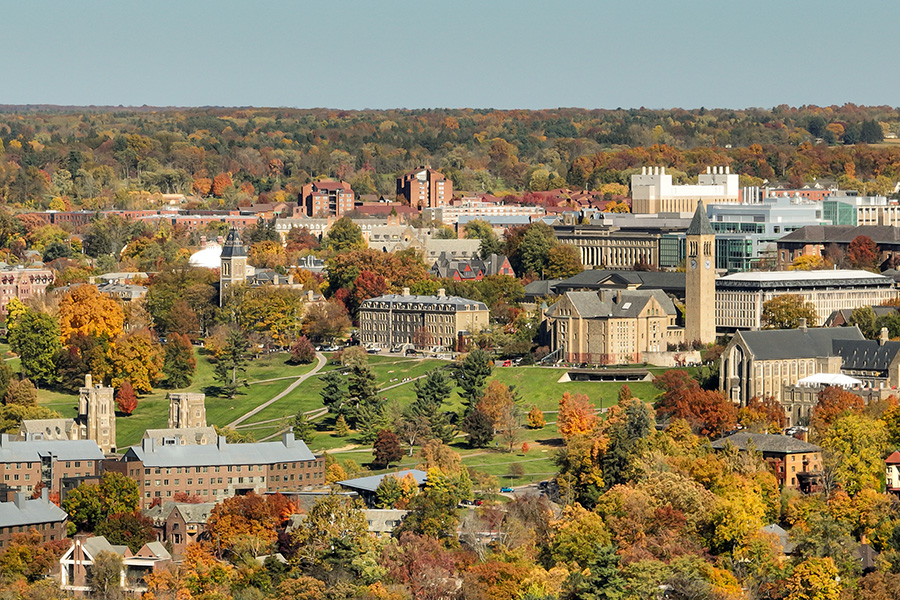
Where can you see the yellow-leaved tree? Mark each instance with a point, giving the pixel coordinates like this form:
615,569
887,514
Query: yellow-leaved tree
84,310
576,415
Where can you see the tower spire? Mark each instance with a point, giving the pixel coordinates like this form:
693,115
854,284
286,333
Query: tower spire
700,223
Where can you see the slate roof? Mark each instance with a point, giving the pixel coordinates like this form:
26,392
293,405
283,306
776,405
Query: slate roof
371,483
33,450
700,223
776,344
32,512
866,355
840,234
192,435
446,266
218,454
233,246
604,304
195,513
673,283
784,539
50,429
764,442
455,301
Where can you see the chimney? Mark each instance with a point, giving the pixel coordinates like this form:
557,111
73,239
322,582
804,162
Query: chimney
275,279
405,291
883,338
310,296
147,444
20,500
220,442
4,440
291,279
45,494
92,280
803,323
288,440
441,292
88,381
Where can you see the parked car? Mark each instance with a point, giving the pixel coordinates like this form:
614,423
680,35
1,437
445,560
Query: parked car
505,490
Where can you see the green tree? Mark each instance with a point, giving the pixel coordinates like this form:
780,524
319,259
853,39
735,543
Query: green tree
12,415
479,427
470,376
303,428
334,393
627,441
864,318
334,537
105,576
482,230
786,311
344,235
34,336
534,250
21,392
600,579
179,362
233,436
232,362
127,529
89,505
431,393
563,261
6,374
814,579
340,427
365,404
855,447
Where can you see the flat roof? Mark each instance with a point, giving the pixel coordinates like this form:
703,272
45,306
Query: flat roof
836,274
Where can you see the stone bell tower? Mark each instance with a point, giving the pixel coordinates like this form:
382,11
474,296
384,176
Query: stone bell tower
700,280
234,264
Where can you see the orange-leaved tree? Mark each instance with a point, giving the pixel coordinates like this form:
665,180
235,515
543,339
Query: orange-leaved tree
85,310
577,415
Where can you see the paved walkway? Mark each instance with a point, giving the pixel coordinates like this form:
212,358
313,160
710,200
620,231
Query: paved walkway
321,363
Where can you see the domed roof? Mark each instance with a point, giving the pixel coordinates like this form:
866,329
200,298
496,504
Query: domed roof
208,258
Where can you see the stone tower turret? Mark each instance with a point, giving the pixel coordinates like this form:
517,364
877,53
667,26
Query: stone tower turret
97,414
700,280
234,264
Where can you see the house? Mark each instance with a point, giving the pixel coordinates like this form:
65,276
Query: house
464,249
612,326
186,524
473,269
25,514
782,536
795,463
892,473
22,283
75,564
366,486
841,317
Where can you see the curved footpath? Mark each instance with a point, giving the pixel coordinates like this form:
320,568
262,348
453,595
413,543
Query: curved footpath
321,363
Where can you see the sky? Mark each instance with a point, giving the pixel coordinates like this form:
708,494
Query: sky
380,54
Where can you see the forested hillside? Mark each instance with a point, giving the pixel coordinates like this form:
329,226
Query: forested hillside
69,158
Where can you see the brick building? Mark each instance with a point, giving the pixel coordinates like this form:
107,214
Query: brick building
25,463
789,458
425,188
24,515
22,283
217,471
325,198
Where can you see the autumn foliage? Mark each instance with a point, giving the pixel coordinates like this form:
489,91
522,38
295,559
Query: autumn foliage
577,415
708,413
126,400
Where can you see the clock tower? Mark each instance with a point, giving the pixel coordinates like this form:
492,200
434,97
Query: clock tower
700,280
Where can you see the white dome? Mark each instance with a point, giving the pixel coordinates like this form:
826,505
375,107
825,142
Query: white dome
209,258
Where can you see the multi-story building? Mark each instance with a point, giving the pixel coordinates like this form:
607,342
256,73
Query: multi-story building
179,523
425,188
612,326
740,296
477,209
472,269
819,240
652,191
406,319
766,363
795,463
213,472
24,464
22,283
325,198
187,409
24,515
861,210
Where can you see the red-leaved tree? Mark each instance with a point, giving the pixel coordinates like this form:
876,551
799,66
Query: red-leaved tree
126,400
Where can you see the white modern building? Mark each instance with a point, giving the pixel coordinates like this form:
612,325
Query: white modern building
652,191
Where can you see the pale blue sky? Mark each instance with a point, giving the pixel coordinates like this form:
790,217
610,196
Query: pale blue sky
462,53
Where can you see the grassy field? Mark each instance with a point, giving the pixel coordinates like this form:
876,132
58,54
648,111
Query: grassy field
536,386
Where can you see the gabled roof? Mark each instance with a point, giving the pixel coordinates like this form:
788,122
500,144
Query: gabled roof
893,458
784,539
764,442
195,513
221,453
30,512
33,450
625,304
775,344
371,483
825,234
866,355
700,223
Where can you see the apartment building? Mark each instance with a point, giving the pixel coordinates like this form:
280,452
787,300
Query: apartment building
213,472
794,463
425,188
22,283
23,464
25,514
326,198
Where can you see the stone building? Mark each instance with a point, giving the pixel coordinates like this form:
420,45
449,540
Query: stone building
96,420
612,326
406,319
22,283
187,409
700,280
234,264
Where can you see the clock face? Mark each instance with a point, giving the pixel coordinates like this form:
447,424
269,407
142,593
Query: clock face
693,263
708,264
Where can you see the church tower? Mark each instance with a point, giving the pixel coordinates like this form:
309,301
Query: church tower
700,280
97,414
234,264
187,410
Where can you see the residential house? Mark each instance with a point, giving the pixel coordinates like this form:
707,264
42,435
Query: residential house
22,283
473,269
795,463
892,473
75,564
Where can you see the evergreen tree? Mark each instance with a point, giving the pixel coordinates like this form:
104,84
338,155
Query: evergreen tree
627,440
340,427
471,375
365,403
179,363
479,427
303,428
232,362
600,579
333,393
431,393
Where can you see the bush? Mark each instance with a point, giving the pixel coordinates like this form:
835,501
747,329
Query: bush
302,352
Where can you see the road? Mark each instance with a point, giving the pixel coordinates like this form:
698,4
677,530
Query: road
321,363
